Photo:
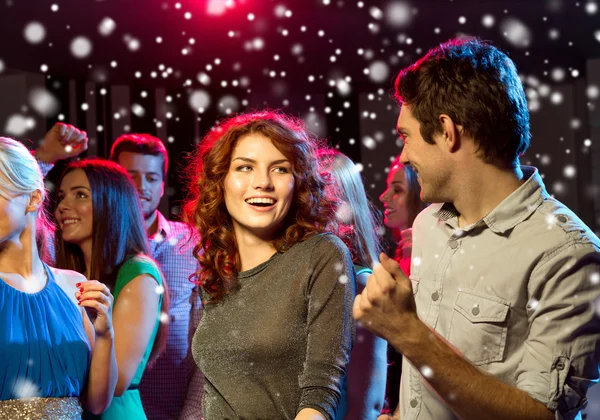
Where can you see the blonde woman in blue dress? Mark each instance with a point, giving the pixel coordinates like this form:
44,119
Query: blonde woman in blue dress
53,358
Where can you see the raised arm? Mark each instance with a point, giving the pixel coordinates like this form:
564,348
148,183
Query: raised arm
62,141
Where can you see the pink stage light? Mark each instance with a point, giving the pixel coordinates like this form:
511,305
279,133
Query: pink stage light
218,7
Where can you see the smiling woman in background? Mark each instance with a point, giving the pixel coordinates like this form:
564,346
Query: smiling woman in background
276,331
101,234
401,202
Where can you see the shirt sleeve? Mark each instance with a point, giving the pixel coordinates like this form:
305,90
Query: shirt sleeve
562,351
45,167
192,408
136,266
330,327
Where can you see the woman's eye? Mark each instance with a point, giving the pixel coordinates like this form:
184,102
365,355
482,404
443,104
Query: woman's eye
282,170
243,168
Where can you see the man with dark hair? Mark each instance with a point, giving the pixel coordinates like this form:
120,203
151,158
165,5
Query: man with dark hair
172,387
498,318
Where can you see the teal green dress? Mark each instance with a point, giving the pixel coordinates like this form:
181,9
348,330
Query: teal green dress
129,405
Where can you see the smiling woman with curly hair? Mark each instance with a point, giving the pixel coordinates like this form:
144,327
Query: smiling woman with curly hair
276,332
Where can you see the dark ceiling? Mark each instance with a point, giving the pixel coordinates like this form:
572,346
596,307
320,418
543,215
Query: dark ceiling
540,35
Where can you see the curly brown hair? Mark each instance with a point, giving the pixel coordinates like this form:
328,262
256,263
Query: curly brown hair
205,210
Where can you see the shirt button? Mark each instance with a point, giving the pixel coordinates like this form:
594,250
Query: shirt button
475,310
453,244
562,218
414,402
435,296
560,365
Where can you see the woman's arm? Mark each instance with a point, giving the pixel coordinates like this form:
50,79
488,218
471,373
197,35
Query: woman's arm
102,378
329,294
134,319
309,414
367,371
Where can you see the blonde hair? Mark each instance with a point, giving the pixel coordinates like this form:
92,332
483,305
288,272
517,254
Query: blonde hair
360,232
19,171
20,174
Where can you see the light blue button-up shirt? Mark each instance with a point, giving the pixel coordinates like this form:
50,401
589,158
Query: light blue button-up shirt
507,293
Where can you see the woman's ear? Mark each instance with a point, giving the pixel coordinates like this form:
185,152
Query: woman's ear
35,201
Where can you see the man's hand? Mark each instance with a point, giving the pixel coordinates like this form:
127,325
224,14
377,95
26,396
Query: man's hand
62,141
387,305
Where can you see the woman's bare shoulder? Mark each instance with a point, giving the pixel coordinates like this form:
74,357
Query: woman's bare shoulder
67,281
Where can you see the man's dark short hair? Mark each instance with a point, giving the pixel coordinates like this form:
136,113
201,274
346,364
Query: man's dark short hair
144,144
478,86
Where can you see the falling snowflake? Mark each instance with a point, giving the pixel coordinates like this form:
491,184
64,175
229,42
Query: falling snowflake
34,32
593,92
379,72
369,142
107,26
398,14
569,171
164,317
138,110
427,372
44,102
199,100
516,32
344,213
488,21
25,388
81,47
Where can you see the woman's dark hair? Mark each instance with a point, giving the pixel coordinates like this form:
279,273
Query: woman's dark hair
117,230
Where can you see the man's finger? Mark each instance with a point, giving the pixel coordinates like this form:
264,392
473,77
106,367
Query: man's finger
62,129
81,137
392,267
384,280
357,313
68,133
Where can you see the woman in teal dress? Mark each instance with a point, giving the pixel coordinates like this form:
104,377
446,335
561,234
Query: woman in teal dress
366,373
101,235
52,357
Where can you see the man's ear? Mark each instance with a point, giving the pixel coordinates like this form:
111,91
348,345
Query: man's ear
451,133
36,200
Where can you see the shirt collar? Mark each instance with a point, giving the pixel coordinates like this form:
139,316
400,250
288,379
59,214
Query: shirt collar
163,226
515,208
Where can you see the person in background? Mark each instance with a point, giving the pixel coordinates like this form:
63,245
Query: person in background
53,357
61,142
401,203
276,331
172,387
498,318
100,234
358,228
